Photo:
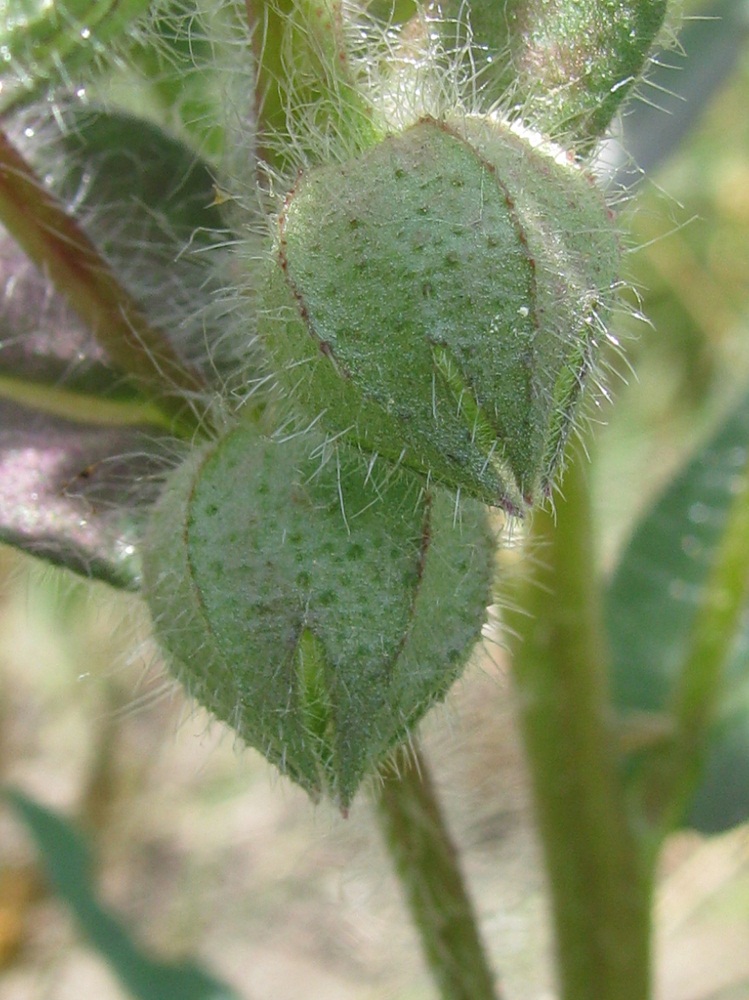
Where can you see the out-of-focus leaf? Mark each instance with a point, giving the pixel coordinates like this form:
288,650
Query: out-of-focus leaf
68,863
199,62
75,494
149,204
680,84
42,42
651,605
42,339
392,12
116,163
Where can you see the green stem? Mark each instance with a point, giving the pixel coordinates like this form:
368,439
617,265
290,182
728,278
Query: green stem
427,865
57,244
600,876
307,88
717,623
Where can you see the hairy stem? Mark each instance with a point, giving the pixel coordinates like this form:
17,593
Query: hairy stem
306,84
427,864
57,244
568,66
599,873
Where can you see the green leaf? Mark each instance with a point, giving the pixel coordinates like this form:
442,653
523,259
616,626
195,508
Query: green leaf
149,202
651,607
42,42
68,862
75,494
124,160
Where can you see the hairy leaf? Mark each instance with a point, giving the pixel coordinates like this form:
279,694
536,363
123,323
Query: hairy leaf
42,338
197,61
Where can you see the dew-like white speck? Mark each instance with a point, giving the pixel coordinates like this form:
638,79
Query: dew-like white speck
691,546
699,513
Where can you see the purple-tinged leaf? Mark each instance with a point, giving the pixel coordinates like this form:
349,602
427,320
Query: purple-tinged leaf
58,244
42,338
76,494
148,205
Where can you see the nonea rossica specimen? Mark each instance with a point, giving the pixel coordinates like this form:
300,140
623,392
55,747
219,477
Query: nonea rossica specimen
431,297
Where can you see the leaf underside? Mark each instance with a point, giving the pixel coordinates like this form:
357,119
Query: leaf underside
75,494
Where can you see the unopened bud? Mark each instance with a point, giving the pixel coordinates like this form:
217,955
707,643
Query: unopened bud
317,611
441,299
